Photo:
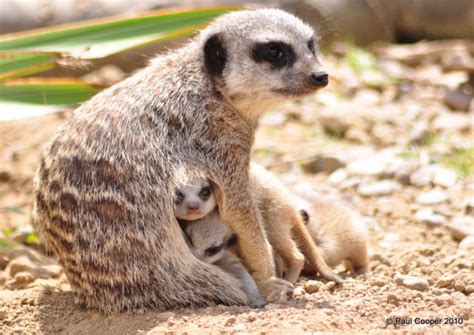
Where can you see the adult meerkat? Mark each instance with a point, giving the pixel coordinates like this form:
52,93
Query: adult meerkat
213,242
104,192
279,209
339,233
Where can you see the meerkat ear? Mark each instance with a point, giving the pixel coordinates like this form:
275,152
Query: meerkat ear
215,56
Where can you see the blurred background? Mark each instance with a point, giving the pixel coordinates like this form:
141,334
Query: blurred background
392,135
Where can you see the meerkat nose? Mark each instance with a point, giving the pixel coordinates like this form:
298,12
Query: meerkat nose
320,79
193,206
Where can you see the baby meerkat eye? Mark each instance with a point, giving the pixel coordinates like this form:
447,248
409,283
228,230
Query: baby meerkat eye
212,250
205,193
179,198
312,46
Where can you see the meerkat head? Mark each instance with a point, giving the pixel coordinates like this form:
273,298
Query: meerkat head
258,58
210,237
194,200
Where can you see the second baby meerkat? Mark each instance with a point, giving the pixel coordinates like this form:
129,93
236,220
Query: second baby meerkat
280,215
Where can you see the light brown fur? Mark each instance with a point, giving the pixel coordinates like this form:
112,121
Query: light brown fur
105,189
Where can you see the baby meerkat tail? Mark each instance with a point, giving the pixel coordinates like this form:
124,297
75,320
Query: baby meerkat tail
310,250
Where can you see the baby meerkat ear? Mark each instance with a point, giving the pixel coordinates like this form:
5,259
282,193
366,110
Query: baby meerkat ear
215,56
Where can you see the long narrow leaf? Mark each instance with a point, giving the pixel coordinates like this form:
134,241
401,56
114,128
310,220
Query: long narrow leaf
100,38
32,97
16,64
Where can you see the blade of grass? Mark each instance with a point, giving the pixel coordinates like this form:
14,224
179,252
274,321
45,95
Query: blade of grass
28,97
17,64
100,38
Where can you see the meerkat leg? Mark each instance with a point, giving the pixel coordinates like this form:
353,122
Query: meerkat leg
359,260
292,257
310,250
233,265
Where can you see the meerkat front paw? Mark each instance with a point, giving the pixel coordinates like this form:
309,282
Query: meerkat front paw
257,301
275,289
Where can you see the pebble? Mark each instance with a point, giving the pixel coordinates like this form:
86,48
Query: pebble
323,164
3,313
419,134
329,286
452,122
445,281
19,264
299,291
338,176
392,299
422,177
469,289
457,100
312,286
412,282
230,321
431,198
367,166
445,177
467,244
272,306
427,215
444,299
239,327
461,227
165,316
377,189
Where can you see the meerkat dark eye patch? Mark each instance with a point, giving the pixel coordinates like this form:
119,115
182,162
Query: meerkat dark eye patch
305,216
278,54
215,55
232,240
312,45
212,250
205,193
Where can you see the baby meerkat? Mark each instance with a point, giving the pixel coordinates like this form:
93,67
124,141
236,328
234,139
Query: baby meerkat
105,188
194,200
338,231
281,219
213,242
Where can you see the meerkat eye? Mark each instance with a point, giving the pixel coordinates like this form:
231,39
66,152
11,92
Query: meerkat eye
305,216
212,250
312,46
232,240
278,54
205,193
179,198
274,53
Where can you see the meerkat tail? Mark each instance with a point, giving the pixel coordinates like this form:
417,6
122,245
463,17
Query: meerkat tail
310,250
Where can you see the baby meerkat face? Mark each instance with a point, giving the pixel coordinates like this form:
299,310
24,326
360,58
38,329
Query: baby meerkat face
210,237
262,57
195,200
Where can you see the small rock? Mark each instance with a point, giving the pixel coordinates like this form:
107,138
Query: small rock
461,227
419,134
392,299
381,259
3,314
467,244
230,321
381,188
431,198
389,240
422,177
469,289
453,122
444,299
338,176
427,215
445,281
19,264
165,316
368,166
251,317
445,177
469,206
457,100
299,291
239,327
412,282
312,286
272,306
460,287
323,164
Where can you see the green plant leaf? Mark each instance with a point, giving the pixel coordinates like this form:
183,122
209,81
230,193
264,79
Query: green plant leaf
34,96
18,64
100,38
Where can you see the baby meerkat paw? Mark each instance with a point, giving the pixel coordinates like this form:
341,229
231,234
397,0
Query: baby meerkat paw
275,289
257,301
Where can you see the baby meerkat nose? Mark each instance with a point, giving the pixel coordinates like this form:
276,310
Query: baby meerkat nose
193,206
320,79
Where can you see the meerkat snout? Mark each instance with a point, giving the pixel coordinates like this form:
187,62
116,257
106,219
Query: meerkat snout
319,79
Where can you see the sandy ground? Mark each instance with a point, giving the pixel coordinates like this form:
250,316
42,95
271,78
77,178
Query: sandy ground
421,268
